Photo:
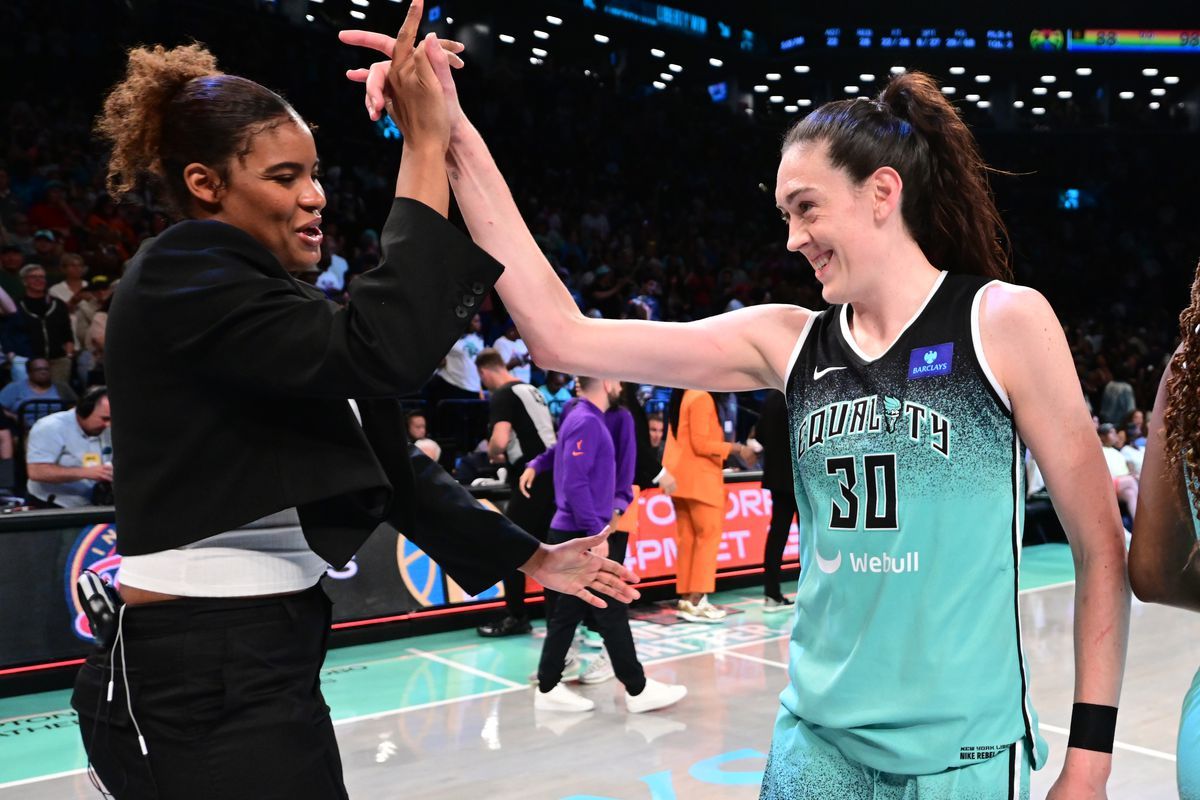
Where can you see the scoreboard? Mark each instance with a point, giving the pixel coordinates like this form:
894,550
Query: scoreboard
1119,40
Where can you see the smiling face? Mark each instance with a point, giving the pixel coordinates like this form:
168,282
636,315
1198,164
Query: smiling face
830,219
273,194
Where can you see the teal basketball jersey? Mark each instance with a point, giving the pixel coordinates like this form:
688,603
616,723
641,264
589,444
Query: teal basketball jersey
906,651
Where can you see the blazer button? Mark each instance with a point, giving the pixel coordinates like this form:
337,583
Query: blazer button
460,312
477,287
469,300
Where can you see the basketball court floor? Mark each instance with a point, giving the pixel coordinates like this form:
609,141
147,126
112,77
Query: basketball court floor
451,715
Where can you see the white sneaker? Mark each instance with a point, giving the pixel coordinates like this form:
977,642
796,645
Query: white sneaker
570,673
655,695
773,606
560,698
703,611
598,670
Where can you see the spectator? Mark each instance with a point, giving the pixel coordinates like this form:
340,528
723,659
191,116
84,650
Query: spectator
654,422
72,290
457,378
430,448
54,213
1132,452
557,393
1124,481
332,280
417,425
11,261
37,385
70,453
48,251
91,319
41,327
1117,400
512,349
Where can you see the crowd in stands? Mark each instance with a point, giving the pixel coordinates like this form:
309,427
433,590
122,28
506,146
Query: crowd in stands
649,205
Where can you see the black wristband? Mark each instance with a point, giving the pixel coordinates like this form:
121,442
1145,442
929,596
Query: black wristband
1093,727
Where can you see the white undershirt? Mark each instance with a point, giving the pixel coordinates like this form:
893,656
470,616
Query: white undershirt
269,556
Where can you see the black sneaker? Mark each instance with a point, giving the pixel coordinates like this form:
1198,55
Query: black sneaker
509,626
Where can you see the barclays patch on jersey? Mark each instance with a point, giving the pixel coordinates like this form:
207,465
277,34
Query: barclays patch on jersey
931,362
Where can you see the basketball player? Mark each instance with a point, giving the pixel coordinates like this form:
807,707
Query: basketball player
1163,555
910,403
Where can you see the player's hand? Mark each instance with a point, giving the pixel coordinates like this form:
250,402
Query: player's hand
1084,776
525,482
667,483
577,568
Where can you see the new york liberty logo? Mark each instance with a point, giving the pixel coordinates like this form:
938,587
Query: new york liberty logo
891,410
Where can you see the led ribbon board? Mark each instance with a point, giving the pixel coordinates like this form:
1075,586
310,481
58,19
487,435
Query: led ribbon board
1110,40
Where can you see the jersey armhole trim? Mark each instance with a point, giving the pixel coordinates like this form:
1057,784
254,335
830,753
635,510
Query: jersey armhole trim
791,365
977,341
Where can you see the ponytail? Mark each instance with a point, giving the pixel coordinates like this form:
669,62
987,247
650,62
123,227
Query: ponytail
911,127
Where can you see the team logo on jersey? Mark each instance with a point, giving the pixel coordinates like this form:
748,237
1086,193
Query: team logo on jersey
891,412
931,362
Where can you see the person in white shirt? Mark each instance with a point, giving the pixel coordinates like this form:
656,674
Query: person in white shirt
72,290
512,349
1124,481
70,452
458,368
1132,453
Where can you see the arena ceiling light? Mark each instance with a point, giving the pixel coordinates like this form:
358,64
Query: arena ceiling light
654,51
791,109
659,85
504,37
776,98
897,70
1038,110
866,77
716,62
773,76
958,70
1158,91
309,17
1126,95
601,38
1040,90
949,90
361,3
801,69
983,78
972,98
1150,72
539,52
674,68
535,61
553,20
762,87
804,102
1049,78
1171,80
1018,103
358,15
1083,72
984,104
318,2
1064,95
666,76
1155,106
541,35
850,89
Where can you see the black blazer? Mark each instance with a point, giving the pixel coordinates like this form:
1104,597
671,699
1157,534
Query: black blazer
229,383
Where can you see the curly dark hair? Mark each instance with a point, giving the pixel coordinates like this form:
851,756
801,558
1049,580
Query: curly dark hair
174,107
1182,416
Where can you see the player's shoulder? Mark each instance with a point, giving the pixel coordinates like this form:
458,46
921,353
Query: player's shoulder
1009,307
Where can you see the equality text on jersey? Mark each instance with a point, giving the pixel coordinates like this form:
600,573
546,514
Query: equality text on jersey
864,415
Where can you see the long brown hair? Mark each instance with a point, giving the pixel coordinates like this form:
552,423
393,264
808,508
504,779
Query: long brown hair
910,126
1182,416
174,108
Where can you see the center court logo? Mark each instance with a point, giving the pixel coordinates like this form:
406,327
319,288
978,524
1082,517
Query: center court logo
876,565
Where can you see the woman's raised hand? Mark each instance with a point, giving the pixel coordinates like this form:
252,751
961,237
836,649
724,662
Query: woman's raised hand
416,71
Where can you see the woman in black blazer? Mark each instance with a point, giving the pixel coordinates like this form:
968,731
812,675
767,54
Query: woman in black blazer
230,503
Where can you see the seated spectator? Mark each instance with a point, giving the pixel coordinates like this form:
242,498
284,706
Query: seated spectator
1124,481
430,448
1132,452
37,385
417,426
40,328
70,454
11,261
48,251
91,321
512,349
557,393
72,290
654,420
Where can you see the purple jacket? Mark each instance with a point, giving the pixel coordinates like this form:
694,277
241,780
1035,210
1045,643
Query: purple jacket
620,426
584,472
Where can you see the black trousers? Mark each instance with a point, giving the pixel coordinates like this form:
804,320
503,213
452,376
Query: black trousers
227,695
783,511
532,514
612,623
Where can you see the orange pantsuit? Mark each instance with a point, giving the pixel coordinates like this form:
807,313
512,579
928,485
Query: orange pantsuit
694,455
